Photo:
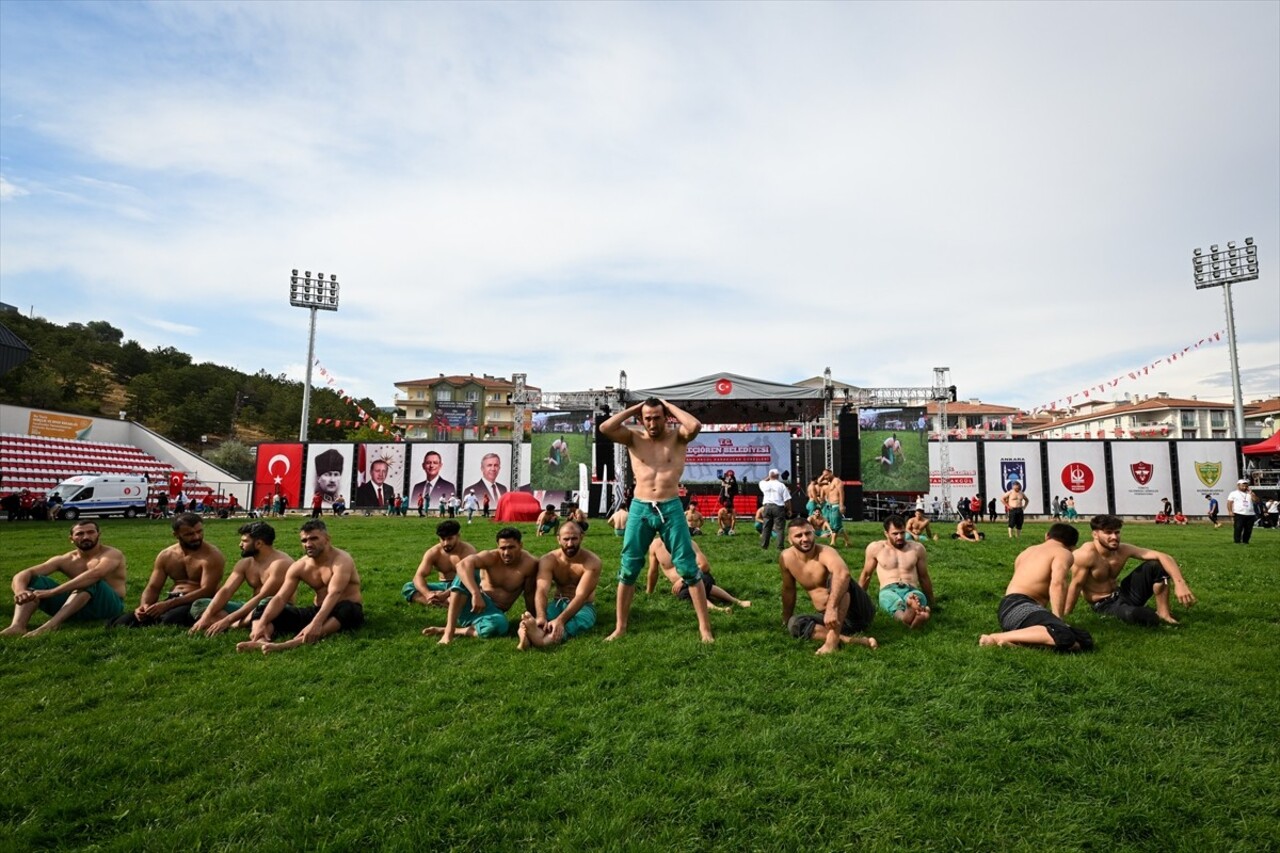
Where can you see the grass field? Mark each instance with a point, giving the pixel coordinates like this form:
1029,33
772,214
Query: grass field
562,478
1161,740
910,471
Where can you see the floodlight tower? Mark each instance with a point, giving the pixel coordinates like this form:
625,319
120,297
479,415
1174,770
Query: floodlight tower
318,295
1225,268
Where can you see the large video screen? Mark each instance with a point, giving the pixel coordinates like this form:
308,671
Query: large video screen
895,449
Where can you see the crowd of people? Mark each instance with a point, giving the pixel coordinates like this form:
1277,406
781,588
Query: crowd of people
478,589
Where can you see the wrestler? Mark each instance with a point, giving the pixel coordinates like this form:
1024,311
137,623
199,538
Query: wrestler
918,529
618,521
726,521
509,571
820,527
657,459
547,520
1015,503
758,520
94,588
1098,564
833,507
575,572
442,557
694,519
1033,605
660,561
339,606
843,607
261,565
194,566
902,572
967,531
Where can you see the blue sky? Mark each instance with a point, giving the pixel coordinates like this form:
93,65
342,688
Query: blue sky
673,190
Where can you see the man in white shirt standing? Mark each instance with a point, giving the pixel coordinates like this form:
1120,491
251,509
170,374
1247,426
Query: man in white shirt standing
1240,508
775,510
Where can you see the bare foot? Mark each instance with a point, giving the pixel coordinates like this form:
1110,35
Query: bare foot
869,642
431,630
708,638
13,631
43,629
1168,618
991,640
824,649
523,632
744,603
618,632
250,645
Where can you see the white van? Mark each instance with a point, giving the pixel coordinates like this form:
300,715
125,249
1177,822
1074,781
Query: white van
103,494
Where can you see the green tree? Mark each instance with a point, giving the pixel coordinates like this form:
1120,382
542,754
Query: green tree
233,456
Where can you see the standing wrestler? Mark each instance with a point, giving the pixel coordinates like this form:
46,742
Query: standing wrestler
509,571
833,508
1015,503
843,607
575,571
657,460
332,574
194,566
902,572
261,565
660,561
1031,611
1098,564
94,588
442,557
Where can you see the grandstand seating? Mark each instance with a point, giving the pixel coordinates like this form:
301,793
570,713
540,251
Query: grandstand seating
38,464
709,505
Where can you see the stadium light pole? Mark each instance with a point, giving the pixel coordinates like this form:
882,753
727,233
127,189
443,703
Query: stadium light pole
1222,269
318,295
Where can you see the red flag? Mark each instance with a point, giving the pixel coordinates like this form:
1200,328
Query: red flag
279,469
176,479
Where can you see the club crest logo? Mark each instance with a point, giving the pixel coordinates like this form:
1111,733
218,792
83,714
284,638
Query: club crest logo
1077,477
1209,472
1142,472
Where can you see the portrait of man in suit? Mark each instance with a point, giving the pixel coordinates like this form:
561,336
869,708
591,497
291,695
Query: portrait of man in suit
435,486
490,469
376,491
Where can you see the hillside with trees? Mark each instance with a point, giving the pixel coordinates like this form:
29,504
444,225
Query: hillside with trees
90,369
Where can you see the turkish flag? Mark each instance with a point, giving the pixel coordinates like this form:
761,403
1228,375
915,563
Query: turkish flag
176,479
279,470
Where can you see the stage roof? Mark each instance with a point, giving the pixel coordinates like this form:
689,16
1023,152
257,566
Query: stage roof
727,398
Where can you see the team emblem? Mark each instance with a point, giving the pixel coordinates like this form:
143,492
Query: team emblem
1209,472
1142,472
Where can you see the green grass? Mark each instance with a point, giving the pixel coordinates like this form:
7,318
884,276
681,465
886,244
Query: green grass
1161,740
910,472
565,477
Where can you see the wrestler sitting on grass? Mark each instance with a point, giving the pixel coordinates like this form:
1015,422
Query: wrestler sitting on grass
332,574
1031,611
442,557
902,572
478,608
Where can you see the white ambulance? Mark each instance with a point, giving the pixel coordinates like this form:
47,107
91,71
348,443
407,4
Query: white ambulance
103,494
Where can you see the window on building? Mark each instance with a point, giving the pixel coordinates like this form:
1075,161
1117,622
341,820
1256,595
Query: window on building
1219,433
419,394
473,396
417,413
1218,420
444,395
1189,419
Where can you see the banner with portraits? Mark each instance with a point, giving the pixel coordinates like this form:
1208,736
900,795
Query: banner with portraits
433,473
379,475
486,471
329,472
1142,473
1206,468
1009,462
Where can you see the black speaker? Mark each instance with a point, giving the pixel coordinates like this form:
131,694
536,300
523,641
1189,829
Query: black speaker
604,451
